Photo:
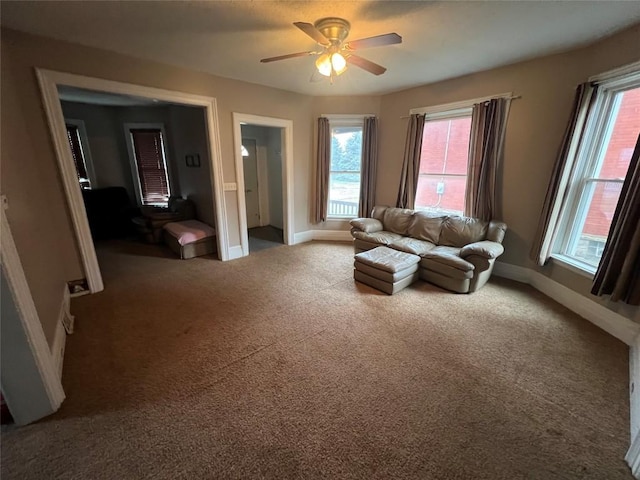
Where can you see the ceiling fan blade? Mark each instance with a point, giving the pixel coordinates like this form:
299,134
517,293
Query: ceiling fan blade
313,32
365,64
377,41
284,57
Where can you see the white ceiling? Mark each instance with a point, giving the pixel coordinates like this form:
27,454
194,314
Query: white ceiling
228,38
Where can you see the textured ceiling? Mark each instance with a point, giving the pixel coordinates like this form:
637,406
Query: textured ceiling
228,38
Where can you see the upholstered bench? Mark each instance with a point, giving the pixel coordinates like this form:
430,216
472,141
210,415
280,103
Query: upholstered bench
190,238
386,269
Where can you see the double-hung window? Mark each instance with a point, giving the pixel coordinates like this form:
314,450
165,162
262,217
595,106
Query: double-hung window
77,137
149,163
600,166
444,160
345,166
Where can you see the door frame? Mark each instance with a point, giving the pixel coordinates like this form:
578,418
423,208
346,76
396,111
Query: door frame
48,81
287,173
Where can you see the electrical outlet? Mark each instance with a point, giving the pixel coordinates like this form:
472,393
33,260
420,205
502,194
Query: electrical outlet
440,188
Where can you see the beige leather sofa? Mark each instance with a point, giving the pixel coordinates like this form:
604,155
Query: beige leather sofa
457,253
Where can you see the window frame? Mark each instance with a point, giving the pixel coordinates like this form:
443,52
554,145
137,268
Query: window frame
587,164
356,120
86,151
134,164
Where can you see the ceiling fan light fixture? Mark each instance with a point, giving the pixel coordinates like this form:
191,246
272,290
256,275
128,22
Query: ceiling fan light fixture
338,63
323,64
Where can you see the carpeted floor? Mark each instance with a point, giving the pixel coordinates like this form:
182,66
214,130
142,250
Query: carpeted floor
278,365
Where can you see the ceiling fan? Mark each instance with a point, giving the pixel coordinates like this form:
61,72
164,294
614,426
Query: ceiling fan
331,33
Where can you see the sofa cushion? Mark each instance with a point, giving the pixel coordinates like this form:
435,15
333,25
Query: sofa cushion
378,212
397,220
426,226
367,224
411,245
447,271
459,231
496,231
447,256
381,238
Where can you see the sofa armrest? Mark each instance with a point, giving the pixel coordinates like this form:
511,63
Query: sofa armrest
485,248
368,225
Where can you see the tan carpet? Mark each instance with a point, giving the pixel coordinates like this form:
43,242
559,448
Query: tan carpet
278,365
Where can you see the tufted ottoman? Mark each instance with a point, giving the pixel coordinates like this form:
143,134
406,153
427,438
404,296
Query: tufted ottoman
386,269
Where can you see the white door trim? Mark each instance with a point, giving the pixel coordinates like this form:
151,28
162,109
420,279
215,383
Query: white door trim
48,81
26,410
287,173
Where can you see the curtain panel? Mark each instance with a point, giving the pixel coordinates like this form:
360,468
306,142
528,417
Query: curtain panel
562,171
411,162
369,166
488,128
618,273
323,161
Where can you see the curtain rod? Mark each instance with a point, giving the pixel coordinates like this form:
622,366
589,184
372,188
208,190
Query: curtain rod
511,97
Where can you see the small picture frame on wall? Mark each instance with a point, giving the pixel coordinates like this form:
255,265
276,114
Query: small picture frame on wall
192,160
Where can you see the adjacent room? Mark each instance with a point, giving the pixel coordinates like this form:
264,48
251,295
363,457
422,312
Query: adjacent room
318,239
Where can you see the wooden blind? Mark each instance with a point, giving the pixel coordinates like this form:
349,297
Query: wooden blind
147,145
76,151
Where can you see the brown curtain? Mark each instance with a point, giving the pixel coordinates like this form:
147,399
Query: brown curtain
369,166
411,163
488,127
323,159
562,170
618,274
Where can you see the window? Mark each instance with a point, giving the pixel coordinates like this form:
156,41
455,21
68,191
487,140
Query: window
80,152
601,163
344,170
148,149
444,158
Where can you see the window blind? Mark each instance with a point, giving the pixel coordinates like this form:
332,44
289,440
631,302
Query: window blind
76,151
147,144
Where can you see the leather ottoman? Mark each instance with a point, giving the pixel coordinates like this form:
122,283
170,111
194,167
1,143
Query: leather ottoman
386,269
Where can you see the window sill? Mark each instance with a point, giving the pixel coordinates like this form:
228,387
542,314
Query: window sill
574,265
337,218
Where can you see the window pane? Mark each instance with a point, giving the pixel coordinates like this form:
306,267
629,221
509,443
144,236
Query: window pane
443,165
344,194
344,175
445,194
623,136
594,228
445,146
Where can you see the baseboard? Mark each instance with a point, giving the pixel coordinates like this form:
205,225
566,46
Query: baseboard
633,454
235,252
332,235
302,237
327,235
65,324
614,324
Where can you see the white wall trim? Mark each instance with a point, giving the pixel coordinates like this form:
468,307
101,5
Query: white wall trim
287,173
620,327
48,81
236,251
17,283
58,346
303,237
633,454
464,104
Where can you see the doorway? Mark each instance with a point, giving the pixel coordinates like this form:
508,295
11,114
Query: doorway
49,82
264,173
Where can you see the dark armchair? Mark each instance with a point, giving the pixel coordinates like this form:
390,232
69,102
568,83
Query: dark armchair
154,218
